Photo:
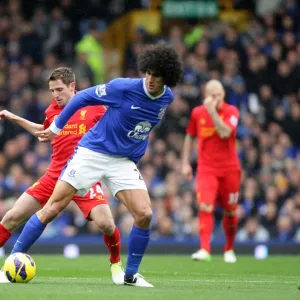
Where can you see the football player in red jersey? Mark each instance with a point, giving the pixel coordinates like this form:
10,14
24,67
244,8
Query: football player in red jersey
93,205
218,177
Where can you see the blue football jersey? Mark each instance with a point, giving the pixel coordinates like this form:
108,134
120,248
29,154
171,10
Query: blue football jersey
132,113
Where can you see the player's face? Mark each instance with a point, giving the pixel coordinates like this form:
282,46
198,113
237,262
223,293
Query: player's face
217,94
61,92
154,84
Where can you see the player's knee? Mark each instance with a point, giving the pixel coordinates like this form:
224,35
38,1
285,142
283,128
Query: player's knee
107,226
143,218
206,207
12,220
50,212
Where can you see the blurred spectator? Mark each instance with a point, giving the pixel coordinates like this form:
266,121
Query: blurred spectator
259,66
90,45
252,231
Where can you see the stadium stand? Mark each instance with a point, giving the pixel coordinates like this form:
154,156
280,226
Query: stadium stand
259,66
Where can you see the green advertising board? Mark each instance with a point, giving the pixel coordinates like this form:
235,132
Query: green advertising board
190,8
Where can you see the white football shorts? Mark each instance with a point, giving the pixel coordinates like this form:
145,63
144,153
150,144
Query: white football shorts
87,167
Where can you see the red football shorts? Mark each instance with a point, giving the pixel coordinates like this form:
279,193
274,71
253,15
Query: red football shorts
43,188
219,188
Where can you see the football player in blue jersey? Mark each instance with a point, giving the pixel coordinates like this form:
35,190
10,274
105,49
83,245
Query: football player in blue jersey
111,149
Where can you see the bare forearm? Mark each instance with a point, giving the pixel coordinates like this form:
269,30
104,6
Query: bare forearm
27,125
223,130
187,149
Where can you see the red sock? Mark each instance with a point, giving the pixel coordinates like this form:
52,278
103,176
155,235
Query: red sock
113,244
206,226
230,224
4,235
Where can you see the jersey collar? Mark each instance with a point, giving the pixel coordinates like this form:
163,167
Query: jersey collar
148,94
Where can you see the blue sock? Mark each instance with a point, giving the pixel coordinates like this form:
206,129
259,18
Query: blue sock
30,233
137,244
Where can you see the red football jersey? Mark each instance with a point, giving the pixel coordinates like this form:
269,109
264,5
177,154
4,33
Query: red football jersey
214,153
65,142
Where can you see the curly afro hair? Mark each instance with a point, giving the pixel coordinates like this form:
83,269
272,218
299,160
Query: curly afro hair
163,60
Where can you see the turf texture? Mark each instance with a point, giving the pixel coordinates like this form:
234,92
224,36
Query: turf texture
174,277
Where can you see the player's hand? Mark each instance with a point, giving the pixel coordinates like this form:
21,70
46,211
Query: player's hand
45,135
210,103
5,114
187,171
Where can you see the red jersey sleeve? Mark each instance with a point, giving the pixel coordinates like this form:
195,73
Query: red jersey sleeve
46,124
192,126
100,111
232,117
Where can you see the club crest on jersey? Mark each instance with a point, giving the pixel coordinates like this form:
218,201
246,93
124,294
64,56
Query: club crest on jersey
141,131
101,90
82,114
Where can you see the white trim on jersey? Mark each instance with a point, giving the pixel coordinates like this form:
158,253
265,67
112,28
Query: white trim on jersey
54,128
148,94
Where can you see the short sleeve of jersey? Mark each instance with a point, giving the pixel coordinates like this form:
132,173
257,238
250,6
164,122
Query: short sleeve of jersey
46,123
192,125
50,112
232,117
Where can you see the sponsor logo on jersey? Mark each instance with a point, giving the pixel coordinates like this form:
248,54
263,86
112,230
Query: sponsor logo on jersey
135,107
73,129
141,131
207,131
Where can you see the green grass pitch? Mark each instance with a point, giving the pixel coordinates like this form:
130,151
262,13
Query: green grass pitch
174,277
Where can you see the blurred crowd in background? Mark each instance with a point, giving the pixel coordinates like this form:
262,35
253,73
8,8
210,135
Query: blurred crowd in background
259,67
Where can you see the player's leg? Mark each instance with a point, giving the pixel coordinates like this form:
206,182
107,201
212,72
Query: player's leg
207,189
102,216
126,183
229,191
94,207
61,197
139,205
76,176
28,203
22,210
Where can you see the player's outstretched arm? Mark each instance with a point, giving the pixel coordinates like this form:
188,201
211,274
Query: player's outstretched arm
27,125
186,169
